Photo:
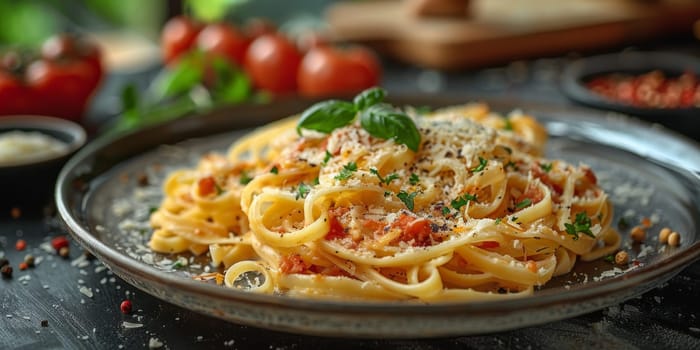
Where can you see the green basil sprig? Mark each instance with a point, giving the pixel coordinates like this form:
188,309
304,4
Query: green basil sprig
384,121
379,119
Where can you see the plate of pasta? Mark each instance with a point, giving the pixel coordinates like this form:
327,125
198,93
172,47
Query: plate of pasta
376,219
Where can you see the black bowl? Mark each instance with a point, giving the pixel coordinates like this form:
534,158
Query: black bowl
576,74
24,181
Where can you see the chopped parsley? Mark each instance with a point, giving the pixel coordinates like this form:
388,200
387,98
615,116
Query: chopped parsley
385,180
413,179
218,188
609,258
524,203
445,210
508,125
498,221
274,170
514,219
547,167
152,210
582,224
315,181
512,164
387,194
508,149
179,263
302,190
463,200
481,166
347,171
407,198
245,179
326,158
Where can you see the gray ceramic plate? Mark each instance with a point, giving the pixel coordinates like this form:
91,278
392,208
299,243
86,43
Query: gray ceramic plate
648,171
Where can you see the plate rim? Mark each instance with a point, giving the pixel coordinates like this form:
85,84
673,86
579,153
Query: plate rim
597,289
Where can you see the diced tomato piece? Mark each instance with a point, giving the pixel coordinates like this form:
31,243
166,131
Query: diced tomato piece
206,186
293,264
415,230
590,175
336,229
374,225
488,244
544,178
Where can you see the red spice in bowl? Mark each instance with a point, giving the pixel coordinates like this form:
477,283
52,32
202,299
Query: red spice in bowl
649,90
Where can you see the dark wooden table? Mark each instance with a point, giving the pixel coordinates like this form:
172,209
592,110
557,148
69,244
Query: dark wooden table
667,317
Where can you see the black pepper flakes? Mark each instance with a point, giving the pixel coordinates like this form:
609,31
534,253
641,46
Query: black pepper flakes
88,255
4,262
142,180
44,323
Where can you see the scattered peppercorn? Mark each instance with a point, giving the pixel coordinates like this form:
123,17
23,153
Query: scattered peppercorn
44,323
15,213
6,271
674,239
88,255
125,306
621,257
59,242
21,244
663,235
4,262
142,180
23,266
638,234
29,260
64,252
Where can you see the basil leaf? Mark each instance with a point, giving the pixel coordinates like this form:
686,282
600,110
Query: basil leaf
383,121
182,78
231,85
327,116
369,98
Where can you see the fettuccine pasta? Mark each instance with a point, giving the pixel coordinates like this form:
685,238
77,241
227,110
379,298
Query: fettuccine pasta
476,213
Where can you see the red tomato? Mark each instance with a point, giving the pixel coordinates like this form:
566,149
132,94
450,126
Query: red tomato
328,71
66,47
221,39
177,37
15,96
272,62
63,87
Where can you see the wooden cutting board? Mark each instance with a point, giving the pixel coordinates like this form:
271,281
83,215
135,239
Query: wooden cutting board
498,31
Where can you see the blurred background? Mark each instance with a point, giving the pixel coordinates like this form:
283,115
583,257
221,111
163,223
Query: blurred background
164,59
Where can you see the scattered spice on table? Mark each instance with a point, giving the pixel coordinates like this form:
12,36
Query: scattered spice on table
29,260
21,245
64,252
6,271
59,242
125,307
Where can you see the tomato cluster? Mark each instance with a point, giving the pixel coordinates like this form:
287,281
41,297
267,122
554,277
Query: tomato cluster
58,81
273,61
